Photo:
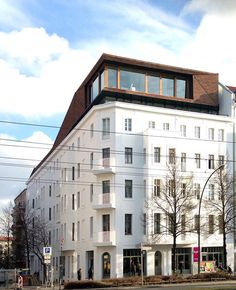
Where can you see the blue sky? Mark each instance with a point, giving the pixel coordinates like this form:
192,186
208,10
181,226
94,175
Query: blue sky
47,47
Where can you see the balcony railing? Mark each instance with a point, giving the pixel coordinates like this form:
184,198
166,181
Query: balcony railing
106,238
104,166
104,200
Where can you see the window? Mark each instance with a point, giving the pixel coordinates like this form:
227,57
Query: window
128,188
221,160
145,187
198,160
78,170
133,81
128,124
183,130
106,186
157,187
183,223
106,127
151,125
157,154
102,80
105,222
183,189
167,87
49,213
172,156
91,192
196,222
171,223
180,88
73,201
211,162
183,161
33,203
73,173
157,223
144,155
144,224
128,224
91,130
211,133
78,199
112,78
166,126
171,187
73,231
91,227
211,224
91,160
128,155
78,231
78,142
153,84
211,194
106,157
221,134
197,132
50,190
196,189
220,223
95,88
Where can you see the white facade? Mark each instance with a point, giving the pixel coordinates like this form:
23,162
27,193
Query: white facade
81,195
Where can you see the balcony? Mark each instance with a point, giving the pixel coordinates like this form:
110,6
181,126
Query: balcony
107,238
104,166
104,201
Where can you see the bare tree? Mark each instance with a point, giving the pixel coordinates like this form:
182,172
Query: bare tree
173,200
6,230
222,205
38,238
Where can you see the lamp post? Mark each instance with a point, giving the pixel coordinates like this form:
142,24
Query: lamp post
199,213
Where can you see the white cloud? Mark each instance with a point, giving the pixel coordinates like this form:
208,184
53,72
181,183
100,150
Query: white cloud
57,72
11,14
17,160
213,46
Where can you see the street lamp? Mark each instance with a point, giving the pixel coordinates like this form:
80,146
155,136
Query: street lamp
199,212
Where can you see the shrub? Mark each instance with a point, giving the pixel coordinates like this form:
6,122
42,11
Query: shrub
85,284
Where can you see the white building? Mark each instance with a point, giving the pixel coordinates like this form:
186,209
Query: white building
110,155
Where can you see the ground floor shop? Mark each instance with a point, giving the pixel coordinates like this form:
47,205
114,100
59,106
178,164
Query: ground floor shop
117,262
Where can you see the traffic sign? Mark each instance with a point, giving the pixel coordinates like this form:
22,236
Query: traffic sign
47,251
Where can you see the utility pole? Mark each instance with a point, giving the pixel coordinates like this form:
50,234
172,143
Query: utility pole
199,213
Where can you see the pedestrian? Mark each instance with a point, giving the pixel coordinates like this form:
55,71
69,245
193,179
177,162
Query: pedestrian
90,273
20,282
181,266
79,274
133,268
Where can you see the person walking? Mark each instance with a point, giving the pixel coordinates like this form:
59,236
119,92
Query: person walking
181,266
90,273
20,282
79,274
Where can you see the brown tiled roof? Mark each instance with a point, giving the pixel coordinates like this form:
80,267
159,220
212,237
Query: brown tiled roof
204,87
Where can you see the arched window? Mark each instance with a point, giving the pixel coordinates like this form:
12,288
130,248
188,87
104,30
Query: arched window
106,264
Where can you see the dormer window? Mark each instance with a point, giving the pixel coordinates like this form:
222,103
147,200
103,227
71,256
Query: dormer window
129,79
132,81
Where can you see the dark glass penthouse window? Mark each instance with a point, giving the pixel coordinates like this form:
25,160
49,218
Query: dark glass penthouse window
180,88
95,88
153,85
133,81
167,87
112,78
